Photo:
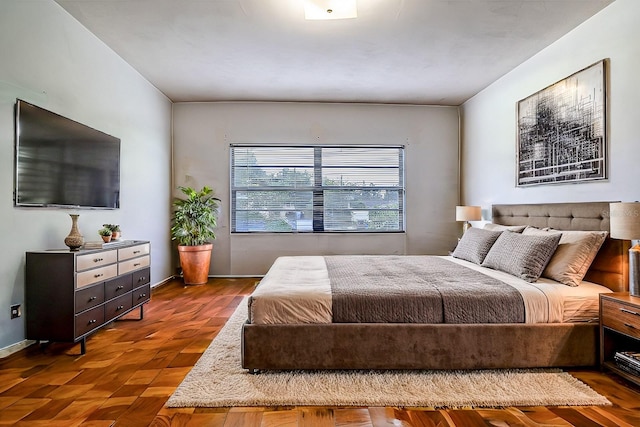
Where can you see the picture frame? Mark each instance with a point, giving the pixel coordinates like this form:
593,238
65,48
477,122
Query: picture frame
561,131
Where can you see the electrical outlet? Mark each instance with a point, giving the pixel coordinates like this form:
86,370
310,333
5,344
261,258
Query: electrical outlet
16,311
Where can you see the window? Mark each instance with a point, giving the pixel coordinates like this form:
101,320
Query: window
278,188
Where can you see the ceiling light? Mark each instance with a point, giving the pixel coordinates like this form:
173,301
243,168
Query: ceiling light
330,9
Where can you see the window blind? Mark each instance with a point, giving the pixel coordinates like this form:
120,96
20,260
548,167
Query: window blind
297,188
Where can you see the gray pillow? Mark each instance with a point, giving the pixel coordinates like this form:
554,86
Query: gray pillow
520,255
475,244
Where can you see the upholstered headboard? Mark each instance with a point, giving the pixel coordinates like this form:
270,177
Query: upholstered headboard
611,266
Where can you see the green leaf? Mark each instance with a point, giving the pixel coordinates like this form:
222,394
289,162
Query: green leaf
194,217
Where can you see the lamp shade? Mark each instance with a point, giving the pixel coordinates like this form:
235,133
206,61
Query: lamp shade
625,220
468,213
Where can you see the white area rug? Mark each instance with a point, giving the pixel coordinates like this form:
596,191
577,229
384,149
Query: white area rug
217,380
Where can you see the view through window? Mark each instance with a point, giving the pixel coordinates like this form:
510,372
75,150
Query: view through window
328,188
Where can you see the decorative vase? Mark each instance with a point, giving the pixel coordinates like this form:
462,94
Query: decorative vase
74,240
115,235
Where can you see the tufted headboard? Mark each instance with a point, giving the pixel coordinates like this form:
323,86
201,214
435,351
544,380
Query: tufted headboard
611,266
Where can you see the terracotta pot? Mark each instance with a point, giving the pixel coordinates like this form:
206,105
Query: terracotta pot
195,261
106,239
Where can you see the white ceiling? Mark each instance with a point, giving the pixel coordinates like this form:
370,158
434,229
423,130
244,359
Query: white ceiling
397,51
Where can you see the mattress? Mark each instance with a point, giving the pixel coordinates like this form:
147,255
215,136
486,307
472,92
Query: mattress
297,290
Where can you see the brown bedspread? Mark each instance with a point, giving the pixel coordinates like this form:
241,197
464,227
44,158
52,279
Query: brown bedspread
417,289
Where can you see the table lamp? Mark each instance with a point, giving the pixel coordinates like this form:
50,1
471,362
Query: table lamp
468,213
625,224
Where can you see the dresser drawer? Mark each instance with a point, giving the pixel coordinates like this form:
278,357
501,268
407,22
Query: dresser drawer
89,297
89,320
96,275
116,307
133,251
98,259
141,295
118,286
621,317
141,277
133,264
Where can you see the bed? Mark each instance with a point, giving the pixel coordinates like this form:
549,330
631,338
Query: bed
524,343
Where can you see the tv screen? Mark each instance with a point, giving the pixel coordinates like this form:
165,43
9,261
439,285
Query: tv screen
62,163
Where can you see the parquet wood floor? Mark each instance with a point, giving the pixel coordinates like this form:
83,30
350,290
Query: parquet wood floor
131,369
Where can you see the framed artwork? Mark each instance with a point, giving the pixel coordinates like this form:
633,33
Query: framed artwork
562,131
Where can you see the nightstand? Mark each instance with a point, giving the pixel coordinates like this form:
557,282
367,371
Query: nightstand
619,330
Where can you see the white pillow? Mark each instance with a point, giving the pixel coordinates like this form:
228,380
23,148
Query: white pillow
500,227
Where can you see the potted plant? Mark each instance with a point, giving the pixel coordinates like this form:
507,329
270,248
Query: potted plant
192,226
115,230
105,233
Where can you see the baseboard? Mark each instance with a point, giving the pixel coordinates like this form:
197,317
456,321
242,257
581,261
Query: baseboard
225,276
163,282
235,276
14,348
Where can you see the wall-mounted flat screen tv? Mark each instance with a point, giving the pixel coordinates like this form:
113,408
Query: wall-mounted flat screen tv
62,163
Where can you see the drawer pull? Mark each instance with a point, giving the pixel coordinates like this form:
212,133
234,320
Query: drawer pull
98,259
91,322
142,296
119,288
93,298
141,279
137,264
628,325
120,307
98,275
624,310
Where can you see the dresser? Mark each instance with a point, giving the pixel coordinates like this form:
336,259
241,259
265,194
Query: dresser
70,295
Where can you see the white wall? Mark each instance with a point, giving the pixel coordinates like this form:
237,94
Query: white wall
50,60
489,118
203,132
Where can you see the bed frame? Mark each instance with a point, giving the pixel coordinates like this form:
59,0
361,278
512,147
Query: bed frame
452,346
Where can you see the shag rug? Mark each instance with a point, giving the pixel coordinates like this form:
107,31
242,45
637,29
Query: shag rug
218,380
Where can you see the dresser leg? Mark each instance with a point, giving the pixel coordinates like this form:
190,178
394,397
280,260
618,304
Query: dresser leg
83,346
142,312
43,345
